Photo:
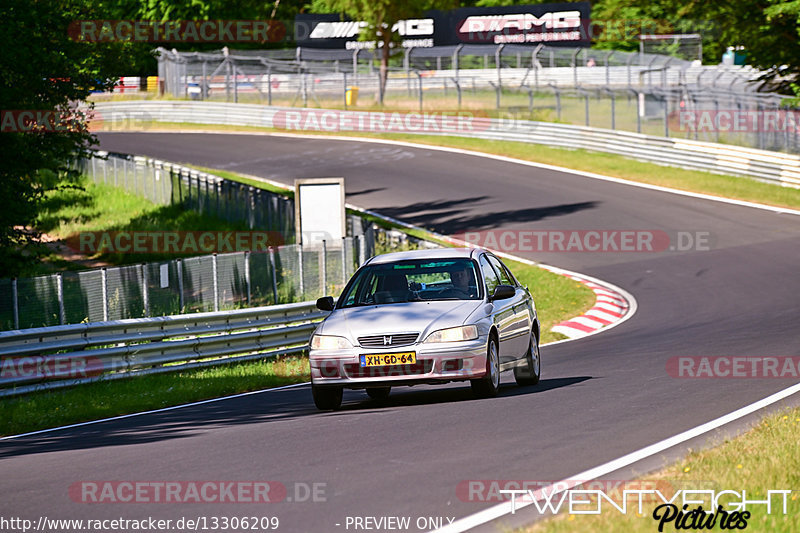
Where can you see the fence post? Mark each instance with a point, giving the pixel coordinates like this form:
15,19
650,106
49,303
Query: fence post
362,250
247,274
420,89
181,303
216,282
104,288
344,89
344,261
62,316
324,267
274,275
300,268
15,302
145,291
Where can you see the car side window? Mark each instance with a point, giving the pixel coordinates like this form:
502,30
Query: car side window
505,279
489,275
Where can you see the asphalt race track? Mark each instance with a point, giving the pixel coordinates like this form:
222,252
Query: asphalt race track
600,397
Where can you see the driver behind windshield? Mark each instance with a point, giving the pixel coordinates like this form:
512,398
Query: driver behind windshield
461,279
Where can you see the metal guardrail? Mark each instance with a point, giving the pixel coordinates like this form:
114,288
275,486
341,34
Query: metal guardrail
62,356
678,152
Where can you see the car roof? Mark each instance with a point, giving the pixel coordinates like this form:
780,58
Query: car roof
434,253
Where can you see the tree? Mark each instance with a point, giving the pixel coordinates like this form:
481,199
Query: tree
44,71
381,17
768,30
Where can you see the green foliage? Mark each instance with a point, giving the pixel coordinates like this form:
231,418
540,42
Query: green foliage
44,69
768,30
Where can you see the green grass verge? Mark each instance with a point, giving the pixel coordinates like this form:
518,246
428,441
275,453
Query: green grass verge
735,187
765,458
97,207
93,401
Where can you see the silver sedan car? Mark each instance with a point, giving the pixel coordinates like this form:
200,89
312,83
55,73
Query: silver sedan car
425,316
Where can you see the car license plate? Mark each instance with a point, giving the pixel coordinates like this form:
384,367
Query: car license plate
385,359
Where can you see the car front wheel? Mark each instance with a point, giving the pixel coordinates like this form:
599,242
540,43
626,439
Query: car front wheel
529,374
327,398
489,385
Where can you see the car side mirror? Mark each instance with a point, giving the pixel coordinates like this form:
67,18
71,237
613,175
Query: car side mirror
503,292
325,303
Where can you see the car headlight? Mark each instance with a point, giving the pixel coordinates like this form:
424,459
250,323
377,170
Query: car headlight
462,333
329,342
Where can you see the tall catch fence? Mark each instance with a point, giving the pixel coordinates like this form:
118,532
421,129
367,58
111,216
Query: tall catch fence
630,91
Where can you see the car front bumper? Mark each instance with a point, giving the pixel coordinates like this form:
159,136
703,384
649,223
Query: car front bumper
436,363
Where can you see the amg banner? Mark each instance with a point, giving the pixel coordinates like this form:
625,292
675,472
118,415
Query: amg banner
559,24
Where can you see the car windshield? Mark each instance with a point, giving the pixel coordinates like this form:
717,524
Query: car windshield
416,280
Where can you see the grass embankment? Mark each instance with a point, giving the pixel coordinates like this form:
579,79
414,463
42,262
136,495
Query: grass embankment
93,207
765,458
105,399
100,207
735,187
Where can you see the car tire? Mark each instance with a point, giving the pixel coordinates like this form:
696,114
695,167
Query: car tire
489,385
528,375
327,398
379,393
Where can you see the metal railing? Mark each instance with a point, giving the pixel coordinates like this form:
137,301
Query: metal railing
646,93
679,152
63,356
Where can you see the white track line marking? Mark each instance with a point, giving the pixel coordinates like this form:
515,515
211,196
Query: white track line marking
502,509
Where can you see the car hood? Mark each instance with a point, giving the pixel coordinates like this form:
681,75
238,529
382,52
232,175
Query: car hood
422,317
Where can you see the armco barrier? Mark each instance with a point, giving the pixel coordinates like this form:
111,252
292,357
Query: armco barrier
683,153
59,356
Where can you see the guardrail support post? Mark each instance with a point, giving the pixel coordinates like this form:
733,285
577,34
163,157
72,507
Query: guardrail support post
216,281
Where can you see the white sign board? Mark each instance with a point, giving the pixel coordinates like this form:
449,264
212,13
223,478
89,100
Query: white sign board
319,211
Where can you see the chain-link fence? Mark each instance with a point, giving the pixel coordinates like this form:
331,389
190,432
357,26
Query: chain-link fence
631,91
217,282
167,183
283,274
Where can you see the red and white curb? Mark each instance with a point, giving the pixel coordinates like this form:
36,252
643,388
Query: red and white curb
611,306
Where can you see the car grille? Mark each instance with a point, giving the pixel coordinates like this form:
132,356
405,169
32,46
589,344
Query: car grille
354,370
379,341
